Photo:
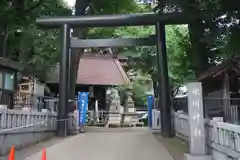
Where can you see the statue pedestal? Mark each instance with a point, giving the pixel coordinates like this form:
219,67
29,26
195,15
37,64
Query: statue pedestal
114,115
131,115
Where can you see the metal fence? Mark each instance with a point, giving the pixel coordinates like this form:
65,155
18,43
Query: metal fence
228,109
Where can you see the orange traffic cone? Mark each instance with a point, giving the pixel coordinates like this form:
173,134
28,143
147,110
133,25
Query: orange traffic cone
44,155
12,154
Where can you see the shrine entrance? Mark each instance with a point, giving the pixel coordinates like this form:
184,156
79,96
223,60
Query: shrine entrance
156,19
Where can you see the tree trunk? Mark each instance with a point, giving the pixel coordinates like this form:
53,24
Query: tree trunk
3,31
199,53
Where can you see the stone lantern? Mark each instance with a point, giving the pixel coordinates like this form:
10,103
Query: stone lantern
130,102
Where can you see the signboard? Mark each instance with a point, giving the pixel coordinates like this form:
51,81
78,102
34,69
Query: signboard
82,107
196,119
150,100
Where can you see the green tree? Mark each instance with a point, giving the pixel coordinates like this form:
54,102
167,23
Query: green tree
213,30
139,90
144,58
39,48
22,40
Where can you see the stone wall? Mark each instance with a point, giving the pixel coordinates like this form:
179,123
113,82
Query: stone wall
23,136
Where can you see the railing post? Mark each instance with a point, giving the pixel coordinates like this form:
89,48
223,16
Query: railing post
46,117
76,118
197,141
3,118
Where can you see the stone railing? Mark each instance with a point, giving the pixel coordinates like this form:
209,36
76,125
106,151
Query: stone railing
21,128
73,125
10,119
222,138
19,118
181,126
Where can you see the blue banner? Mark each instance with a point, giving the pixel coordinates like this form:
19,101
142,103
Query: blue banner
150,107
82,107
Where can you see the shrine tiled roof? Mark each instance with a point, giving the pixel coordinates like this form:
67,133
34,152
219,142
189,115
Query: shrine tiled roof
101,70
96,70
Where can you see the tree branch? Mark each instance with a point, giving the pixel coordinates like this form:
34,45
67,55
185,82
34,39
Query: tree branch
34,6
81,6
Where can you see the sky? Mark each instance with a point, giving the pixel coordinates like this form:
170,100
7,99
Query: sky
70,3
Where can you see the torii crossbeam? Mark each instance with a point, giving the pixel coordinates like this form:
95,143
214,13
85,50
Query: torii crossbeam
139,19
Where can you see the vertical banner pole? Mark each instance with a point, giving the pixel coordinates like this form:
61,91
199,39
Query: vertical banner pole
150,107
82,108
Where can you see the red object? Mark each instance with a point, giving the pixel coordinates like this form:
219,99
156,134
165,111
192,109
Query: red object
12,154
44,154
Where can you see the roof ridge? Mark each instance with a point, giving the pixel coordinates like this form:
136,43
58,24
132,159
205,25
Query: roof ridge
121,70
99,55
216,70
96,57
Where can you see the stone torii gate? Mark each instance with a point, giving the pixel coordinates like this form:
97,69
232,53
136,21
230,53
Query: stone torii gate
65,23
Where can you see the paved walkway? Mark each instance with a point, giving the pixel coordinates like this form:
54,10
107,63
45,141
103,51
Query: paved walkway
132,144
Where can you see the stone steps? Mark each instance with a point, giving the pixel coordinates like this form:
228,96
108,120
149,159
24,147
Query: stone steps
112,125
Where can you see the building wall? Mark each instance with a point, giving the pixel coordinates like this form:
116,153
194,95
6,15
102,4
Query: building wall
7,79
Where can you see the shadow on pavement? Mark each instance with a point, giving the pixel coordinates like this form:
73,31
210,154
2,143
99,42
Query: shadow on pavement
175,146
